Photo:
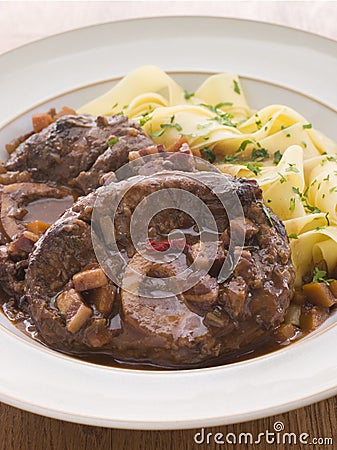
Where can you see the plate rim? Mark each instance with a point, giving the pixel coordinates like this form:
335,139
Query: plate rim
147,18
160,425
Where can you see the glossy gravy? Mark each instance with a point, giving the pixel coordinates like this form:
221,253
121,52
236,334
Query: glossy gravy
48,210
20,318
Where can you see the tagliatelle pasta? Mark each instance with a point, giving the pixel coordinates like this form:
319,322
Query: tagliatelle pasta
294,164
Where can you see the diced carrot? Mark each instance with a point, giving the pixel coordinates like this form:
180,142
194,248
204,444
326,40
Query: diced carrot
38,227
64,111
319,294
333,288
41,121
313,318
285,332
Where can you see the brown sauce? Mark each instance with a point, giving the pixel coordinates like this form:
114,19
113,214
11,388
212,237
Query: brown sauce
22,321
265,347
47,210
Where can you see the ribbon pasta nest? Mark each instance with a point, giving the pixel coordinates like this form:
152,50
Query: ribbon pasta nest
294,164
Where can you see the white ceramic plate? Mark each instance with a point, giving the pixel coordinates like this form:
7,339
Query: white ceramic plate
278,65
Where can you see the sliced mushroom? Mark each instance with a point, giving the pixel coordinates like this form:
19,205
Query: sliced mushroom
73,309
313,317
89,279
285,332
103,298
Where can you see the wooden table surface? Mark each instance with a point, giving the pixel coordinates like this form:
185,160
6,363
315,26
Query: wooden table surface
21,22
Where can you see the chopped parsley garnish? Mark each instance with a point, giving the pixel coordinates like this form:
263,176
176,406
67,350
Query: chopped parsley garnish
292,204
277,157
114,106
327,219
304,144
319,277
222,117
166,126
328,158
254,167
333,189
229,159
327,178
320,228
283,178
260,154
293,236
113,141
236,87
258,123
292,168
158,133
298,192
288,135
305,193
312,209
217,107
121,112
146,117
201,126
222,104
307,126
243,145
208,154
188,95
